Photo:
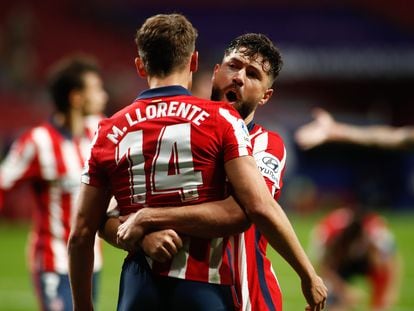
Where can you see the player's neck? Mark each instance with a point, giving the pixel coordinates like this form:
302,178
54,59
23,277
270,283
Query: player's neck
249,118
179,78
72,121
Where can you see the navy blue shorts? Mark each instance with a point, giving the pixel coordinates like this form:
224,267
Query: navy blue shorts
141,290
54,292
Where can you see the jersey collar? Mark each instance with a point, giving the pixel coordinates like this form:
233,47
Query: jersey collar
164,91
250,126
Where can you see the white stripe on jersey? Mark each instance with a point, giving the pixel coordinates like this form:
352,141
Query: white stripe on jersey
246,305
216,259
14,166
57,231
71,159
47,157
179,262
240,131
85,175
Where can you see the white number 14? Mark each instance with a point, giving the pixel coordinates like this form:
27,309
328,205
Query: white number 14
172,168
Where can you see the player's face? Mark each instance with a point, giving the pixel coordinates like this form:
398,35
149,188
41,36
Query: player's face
94,95
242,81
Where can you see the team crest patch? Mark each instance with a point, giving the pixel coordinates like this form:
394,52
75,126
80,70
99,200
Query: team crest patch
243,132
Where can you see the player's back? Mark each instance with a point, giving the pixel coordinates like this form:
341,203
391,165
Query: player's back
169,148
167,151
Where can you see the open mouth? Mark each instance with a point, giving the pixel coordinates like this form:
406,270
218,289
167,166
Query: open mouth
231,96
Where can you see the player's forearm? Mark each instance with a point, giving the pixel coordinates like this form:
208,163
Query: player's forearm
91,211
206,220
81,257
267,214
378,136
281,236
109,230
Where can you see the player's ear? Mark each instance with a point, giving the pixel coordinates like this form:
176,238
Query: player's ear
266,96
194,62
140,67
215,70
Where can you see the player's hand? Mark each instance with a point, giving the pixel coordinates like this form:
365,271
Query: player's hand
316,132
161,245
130,232
315,293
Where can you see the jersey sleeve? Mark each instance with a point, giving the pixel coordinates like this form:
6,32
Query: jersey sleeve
20,163
270,156
93,173
236,139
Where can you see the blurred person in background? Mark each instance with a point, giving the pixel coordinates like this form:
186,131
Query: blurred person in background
325,129
245,77
50,158
350,243
347,244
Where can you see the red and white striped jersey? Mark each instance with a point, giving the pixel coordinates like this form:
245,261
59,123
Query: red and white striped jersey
256,281
169,148
333,225
52,162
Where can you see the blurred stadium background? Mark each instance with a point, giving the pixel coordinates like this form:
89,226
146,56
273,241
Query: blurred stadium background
355,58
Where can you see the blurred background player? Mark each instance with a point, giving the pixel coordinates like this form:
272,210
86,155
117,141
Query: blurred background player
50,158
324,129
348,244
352,242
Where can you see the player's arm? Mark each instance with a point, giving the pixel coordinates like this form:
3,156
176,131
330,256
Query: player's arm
18,165
108,231
159,245
205,220
324,129
92,205
109,227
266,213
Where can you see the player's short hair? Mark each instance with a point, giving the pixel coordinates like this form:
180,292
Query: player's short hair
165,43
253,45
68,75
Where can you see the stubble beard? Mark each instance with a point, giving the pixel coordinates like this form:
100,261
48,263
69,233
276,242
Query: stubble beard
243,108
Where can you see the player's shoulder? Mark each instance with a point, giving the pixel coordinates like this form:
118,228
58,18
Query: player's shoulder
212,105
374,222
30,133
261,130
268,140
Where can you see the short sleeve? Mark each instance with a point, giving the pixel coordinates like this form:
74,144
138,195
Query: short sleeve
236,139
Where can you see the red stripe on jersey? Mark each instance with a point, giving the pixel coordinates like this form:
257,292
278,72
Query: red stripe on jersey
43,249
79,153
57,150
198,261
66,214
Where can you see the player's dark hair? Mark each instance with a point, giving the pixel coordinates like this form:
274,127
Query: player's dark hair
165,42
68,75
253,45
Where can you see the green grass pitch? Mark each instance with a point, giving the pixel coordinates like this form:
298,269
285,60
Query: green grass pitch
16,293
